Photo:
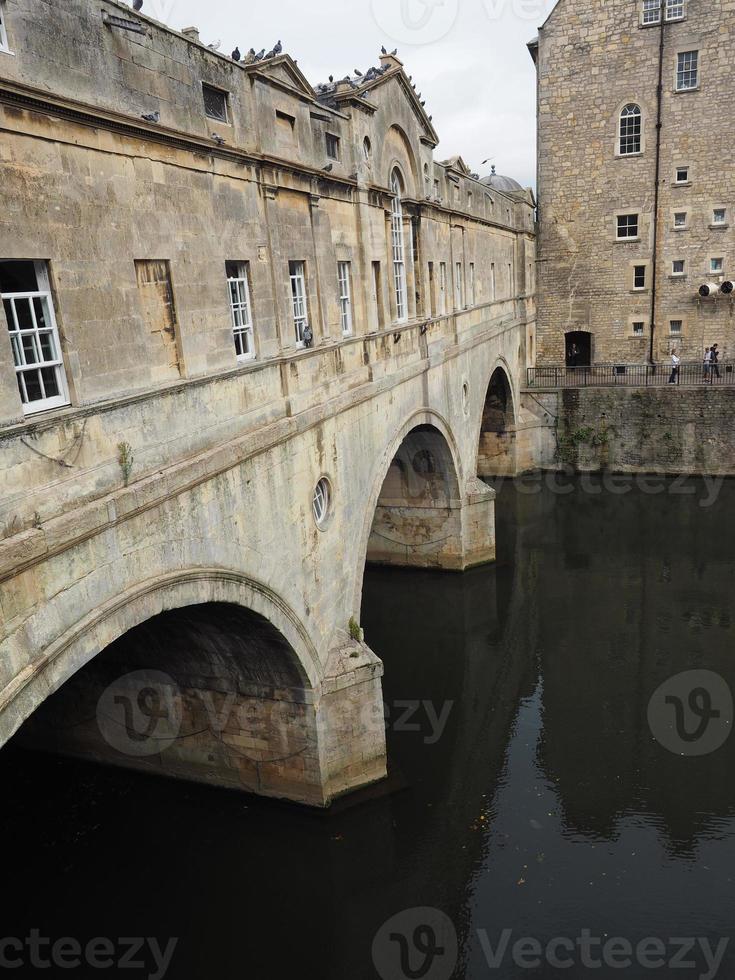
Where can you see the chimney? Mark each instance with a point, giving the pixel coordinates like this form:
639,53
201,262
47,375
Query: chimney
191,34
390,61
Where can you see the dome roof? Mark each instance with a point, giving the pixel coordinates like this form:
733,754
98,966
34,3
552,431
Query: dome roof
501,183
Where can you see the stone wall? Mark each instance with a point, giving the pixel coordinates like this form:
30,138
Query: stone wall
648,430
593,59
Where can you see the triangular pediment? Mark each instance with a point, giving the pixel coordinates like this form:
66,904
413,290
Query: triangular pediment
285,72
458,165
398,77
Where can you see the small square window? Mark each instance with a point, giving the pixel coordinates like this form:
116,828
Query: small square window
675,326
627,226
687,70
651,11
638,328
215,103
682,175
716,266
718,216
677,267
680,219
332,146
674,9
639,277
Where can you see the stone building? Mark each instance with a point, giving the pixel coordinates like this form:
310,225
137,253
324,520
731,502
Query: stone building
246,207
252,335
636,192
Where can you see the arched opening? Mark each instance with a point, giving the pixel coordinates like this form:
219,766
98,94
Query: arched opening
578,347
423,519
211,693
497,450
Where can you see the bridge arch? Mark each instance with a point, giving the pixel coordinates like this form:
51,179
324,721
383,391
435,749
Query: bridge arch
496,441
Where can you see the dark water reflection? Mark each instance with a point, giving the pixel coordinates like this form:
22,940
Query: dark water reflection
544,805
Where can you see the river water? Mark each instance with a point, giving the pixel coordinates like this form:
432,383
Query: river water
529,799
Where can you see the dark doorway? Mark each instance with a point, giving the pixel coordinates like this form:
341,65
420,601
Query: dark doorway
578,348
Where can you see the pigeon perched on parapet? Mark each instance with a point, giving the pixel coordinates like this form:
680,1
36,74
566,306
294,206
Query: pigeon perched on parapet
137,5
260,55
394,52
278,48
236,56
151,116
215,46
218,139
250,57
383,50
358,72
328,168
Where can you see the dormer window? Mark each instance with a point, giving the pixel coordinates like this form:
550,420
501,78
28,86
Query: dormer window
215,103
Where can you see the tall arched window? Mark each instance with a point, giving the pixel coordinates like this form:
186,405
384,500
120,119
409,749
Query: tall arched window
630,129
399,263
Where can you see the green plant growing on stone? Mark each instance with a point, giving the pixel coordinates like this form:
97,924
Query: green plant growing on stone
354,628
125,459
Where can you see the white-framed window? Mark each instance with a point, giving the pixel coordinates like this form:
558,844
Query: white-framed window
240,309
719,216
639,277
3,31
680,219
675,9
627,225
682,175
716,266
651,11
687,70
399,263
458,290
675,326
332,146
677,267
473,298
630,129
34,337
321,501
442,288
297,275
344,270
638,327
215,103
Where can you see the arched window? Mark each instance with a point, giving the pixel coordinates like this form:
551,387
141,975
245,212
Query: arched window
399,263
630,129
366,148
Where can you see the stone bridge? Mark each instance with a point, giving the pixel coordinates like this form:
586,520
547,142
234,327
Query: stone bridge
190,604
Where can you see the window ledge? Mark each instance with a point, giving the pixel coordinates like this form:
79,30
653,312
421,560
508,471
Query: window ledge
677,276
626,241
719,226
685,91
7,51
625,156
681,183
637,291
680,227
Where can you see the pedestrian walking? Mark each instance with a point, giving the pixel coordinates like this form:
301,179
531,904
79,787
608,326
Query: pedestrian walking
675,362
714,359
707,364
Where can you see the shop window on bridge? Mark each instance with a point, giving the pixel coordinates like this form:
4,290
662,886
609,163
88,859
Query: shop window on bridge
34,338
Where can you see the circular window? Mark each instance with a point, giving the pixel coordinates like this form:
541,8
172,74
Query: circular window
321,501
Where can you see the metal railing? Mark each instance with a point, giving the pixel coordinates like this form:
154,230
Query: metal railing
630,375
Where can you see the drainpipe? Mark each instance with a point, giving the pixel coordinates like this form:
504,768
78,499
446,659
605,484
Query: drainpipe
659,102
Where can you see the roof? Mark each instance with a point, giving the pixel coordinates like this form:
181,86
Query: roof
499,183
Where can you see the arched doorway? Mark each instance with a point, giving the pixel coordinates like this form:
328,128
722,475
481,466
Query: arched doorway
211,693
497,448
578,348
423,517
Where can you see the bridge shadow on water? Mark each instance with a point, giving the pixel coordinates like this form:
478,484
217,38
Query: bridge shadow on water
526,793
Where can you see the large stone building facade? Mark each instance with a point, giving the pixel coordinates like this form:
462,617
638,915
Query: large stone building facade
252,334
636,185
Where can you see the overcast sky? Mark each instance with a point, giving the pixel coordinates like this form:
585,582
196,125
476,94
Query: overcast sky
467,57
